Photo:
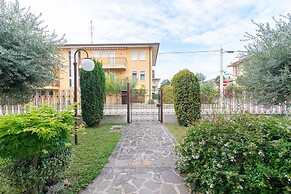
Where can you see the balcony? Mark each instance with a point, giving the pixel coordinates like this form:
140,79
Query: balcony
113,62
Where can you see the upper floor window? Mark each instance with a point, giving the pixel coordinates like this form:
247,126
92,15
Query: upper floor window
134,75
142,55
134,55
138,55
142,75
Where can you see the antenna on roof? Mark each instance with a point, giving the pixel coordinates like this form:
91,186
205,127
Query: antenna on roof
91,28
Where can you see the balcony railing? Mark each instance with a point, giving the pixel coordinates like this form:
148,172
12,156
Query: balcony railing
113,62
54,84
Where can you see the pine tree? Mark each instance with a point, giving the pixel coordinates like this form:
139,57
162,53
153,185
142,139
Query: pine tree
92,94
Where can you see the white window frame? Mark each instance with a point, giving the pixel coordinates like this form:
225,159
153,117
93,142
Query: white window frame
136,77
142,55
134,55
140,75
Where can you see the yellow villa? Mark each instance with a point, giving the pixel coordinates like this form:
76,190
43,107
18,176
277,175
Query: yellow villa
133,61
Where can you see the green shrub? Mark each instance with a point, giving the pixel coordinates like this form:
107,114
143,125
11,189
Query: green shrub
186,92
208,93
238,154
92,94
151,101
168,97
36,144
156,96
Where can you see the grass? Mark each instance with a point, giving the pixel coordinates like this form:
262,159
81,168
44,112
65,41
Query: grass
92,153
179,132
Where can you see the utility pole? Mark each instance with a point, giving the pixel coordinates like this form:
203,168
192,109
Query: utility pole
221,78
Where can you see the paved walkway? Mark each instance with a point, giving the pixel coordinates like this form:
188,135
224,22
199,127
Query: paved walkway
143,162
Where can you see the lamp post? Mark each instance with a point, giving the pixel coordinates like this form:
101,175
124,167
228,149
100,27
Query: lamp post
87,65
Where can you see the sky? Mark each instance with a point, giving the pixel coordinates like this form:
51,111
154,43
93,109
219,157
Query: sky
178,25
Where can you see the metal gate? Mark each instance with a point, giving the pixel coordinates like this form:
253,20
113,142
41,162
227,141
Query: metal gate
143,106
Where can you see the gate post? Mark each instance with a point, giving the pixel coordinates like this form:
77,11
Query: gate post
161,106
128,103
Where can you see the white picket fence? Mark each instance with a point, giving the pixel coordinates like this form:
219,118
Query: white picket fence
61,102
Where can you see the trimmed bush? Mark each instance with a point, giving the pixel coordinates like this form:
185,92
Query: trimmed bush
238,154
186,92
92,94
168,97
36,145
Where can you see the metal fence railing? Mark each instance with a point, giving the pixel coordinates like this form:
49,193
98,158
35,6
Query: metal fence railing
117,105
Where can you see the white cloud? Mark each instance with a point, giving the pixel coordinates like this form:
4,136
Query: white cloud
190,24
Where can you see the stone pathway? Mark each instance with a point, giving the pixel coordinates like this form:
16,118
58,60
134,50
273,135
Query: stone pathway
143,162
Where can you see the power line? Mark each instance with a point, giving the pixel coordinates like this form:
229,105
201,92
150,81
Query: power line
201,51
186,52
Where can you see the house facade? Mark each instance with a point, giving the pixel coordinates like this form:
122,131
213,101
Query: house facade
237,69
133,61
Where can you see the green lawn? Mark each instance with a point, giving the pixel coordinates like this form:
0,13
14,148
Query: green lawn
92,153
177,131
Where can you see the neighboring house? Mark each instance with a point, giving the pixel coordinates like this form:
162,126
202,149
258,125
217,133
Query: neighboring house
237,69
155,86
133,61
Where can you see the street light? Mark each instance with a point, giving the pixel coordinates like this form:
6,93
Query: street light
87,65
221,76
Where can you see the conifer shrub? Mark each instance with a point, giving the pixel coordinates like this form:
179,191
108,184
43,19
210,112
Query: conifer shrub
92,94
36,147
186,91
237,154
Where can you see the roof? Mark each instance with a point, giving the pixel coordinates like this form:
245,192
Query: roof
154,46
235,63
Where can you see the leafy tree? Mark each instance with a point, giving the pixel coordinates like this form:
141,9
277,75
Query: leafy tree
29,53
208,93
114,85
200,77
92,94
168,97
165,82
267,63
186,90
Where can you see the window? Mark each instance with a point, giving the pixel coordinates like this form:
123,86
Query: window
134,55
134,75
142,75
142,55
103,54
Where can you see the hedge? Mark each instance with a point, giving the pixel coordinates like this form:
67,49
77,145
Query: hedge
186,90
36,147
237,154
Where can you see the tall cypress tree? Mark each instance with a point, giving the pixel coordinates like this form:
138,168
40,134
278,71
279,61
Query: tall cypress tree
92,94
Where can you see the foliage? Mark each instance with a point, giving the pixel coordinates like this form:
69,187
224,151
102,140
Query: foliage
233,90
165,82
96,145
151,101
114,85
208,93
46,153
29,54
267,66
141,92
186,92
238,154
156,96
168,97
92,94
201,77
